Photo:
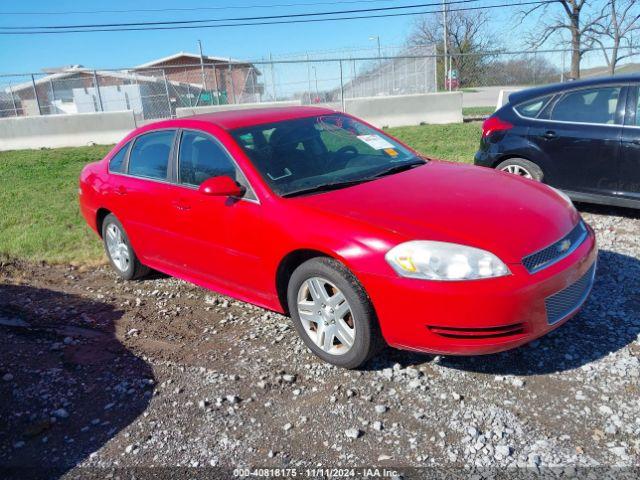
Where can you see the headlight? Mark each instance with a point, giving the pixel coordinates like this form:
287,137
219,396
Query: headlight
444,261
562,195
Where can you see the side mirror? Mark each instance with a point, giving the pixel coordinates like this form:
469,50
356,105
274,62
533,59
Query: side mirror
222,186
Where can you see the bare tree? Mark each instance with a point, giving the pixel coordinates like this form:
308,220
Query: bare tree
617,32
575,16
467,38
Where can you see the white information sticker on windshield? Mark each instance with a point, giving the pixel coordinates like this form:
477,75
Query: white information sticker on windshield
375,141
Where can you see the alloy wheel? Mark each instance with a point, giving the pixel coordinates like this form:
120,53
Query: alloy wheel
118,249
326,316
517,170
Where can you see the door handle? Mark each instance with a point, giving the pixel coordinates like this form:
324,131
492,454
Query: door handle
183,207
121,190
549,134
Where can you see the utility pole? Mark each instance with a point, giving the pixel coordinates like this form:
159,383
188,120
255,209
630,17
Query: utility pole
377,39
444,23
204,79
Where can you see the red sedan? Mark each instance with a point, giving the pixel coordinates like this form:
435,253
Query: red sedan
316,214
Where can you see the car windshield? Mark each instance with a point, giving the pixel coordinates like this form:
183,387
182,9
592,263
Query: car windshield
312,154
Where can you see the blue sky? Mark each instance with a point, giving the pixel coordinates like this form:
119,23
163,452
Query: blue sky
30,53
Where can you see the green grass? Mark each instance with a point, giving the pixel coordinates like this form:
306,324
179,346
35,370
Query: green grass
455,141
39,214
477,111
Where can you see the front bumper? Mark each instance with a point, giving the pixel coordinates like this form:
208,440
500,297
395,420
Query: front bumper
481,316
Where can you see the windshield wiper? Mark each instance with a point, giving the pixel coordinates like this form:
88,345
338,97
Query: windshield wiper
326,187
399,168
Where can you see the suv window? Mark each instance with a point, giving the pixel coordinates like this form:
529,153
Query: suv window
592,105
116,164
531,108
201,158
149,155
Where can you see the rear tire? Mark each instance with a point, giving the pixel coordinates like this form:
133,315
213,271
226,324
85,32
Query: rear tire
119,250
333,314
522,168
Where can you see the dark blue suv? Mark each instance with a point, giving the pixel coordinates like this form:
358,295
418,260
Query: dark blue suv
582,137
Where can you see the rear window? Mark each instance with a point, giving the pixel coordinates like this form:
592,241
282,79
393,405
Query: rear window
116,164
531,108
149,155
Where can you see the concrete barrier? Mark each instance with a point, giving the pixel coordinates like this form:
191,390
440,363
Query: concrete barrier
69,130
404,110
189,111
503,97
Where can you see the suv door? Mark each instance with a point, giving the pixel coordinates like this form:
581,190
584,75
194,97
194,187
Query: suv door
579,132
629,184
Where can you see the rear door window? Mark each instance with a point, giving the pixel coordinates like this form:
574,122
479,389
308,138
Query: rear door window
590,105
149,155
116,164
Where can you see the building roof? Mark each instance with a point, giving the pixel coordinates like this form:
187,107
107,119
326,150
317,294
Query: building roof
232,119
195,57
75,70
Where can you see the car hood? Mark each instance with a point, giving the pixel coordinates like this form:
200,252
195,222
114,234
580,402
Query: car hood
505,214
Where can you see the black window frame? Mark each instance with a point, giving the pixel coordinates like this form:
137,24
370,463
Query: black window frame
249,195
125,160
550,97
170,176
620,106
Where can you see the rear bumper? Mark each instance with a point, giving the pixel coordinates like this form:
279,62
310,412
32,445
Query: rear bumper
477,317
484,158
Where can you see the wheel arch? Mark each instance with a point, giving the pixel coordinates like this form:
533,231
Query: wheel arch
288,264
101,214
509,156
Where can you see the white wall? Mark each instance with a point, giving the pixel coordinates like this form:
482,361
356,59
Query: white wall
74,130
404,110
390,111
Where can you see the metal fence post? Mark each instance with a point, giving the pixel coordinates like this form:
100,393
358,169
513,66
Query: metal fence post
273,79
96,85
215,85
233,87
35,94
13,100
342,88
166,89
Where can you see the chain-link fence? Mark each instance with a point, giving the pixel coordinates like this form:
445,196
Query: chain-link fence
310,78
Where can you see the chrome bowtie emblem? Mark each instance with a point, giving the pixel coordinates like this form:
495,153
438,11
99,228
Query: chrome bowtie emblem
564,246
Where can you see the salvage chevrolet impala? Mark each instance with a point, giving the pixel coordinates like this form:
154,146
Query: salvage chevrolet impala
360,239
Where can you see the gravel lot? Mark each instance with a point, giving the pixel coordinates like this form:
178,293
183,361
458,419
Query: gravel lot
96,372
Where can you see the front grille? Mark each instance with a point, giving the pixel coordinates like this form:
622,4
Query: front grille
556,251
564,302
478,333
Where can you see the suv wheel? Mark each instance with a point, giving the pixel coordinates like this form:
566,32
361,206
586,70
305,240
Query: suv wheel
521,167
332,313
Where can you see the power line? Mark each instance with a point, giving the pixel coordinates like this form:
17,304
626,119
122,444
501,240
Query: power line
233,19
280,22
192,9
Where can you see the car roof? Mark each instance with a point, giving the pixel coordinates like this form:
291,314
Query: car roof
530,93
232,119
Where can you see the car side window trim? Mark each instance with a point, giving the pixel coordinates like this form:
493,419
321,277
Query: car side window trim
176,166
560,95
125,172
125,161
542,108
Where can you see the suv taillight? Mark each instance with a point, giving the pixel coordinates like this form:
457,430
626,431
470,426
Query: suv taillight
494,124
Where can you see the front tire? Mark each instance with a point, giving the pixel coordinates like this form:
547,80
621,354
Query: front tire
119,251
523,168
332,313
